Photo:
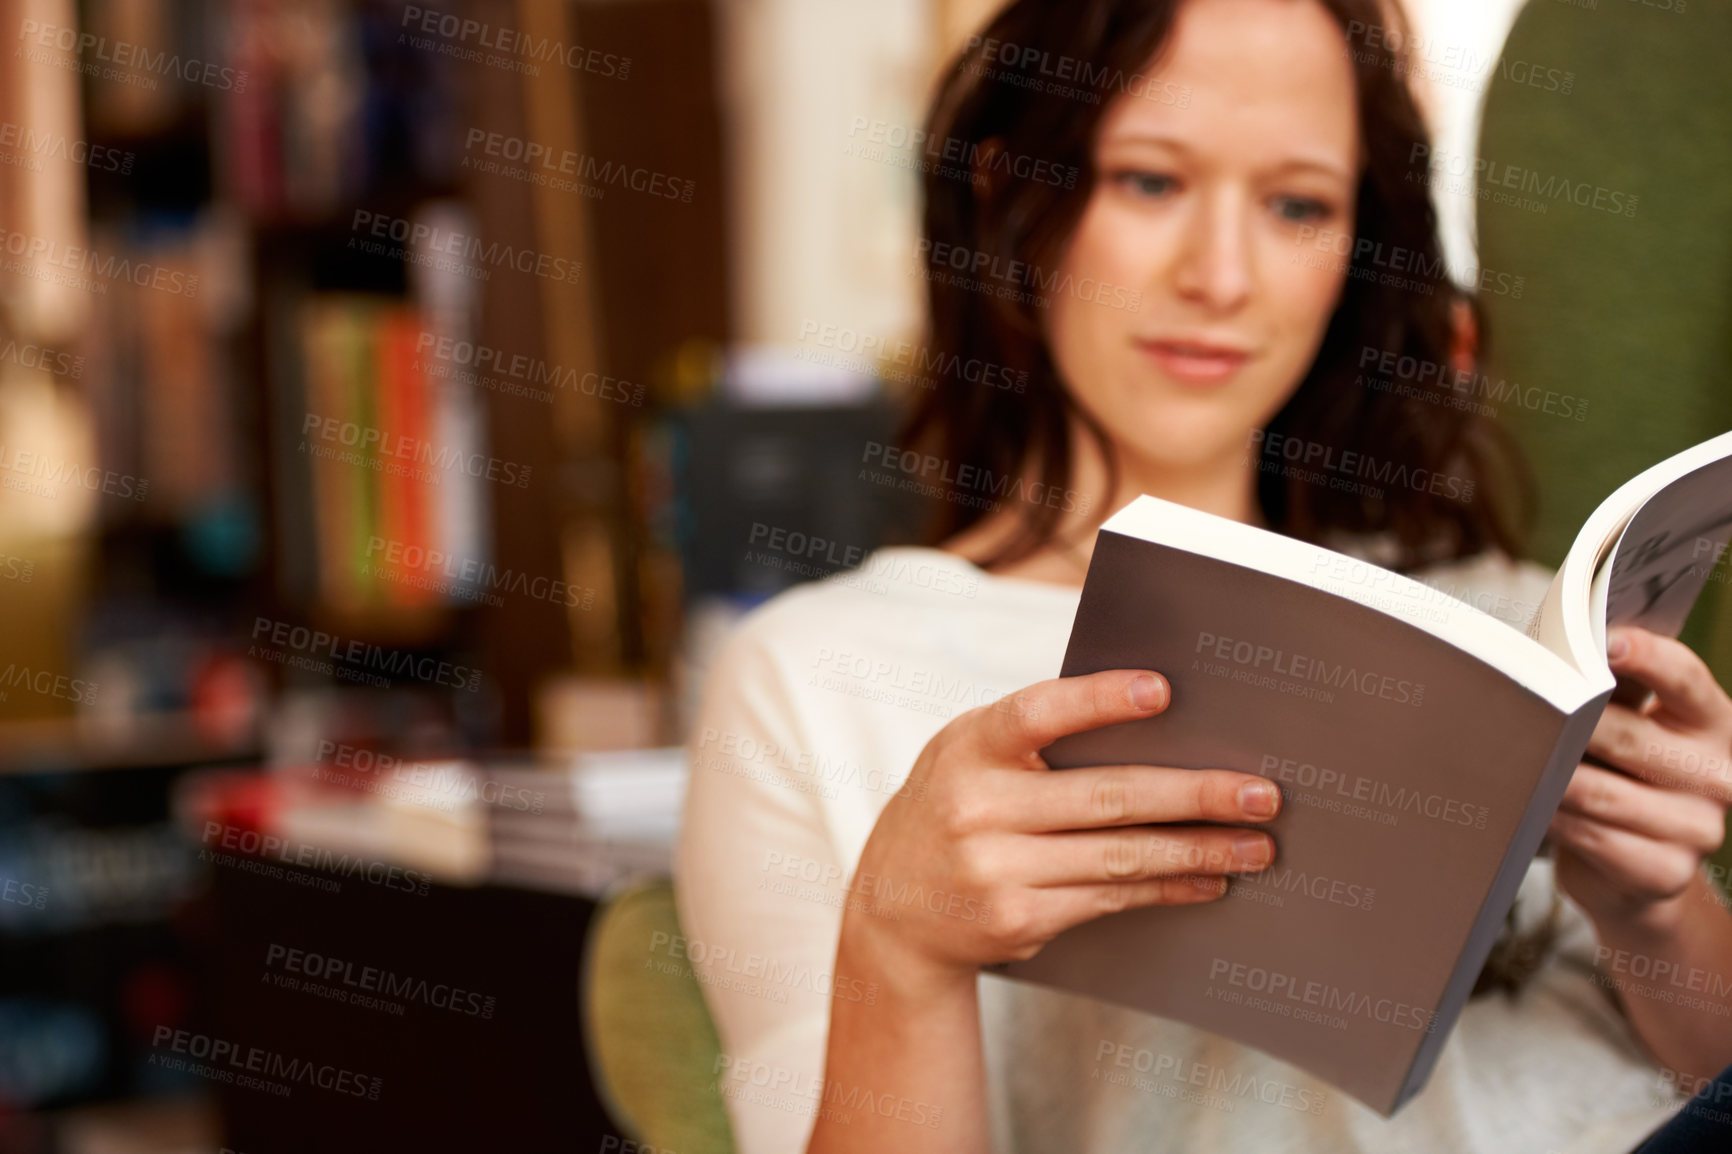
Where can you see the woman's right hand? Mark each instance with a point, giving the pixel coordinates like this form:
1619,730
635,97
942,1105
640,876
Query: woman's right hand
990,854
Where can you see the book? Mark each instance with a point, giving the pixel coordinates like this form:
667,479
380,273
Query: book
406,502
378,517
333,332
1421,747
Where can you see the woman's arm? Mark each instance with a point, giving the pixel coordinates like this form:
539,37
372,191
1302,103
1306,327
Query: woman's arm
765,955
1681,1006
920,1046
1007,854
1631,849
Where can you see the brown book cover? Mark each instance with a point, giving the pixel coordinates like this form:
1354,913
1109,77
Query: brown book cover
1421,747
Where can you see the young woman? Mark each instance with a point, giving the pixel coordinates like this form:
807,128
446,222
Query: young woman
870,821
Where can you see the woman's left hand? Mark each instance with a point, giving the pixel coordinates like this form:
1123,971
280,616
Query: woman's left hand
1631,843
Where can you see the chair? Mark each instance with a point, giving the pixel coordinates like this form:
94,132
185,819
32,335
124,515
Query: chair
651,1044
1629,310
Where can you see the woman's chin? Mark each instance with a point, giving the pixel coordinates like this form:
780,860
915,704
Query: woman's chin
1173,438
1187,457
1182,432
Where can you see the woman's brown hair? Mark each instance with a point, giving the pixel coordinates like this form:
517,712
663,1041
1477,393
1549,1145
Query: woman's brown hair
1034,84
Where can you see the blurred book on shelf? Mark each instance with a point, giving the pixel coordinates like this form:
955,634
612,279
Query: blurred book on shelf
607,816
155,364
576,824
383,538
324,100
621,792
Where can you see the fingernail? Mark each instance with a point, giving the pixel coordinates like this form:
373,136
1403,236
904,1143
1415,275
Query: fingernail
1617,645
1146,693
1253,849
1259,798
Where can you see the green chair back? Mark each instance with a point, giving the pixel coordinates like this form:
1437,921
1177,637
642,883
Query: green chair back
1612,202
652,1046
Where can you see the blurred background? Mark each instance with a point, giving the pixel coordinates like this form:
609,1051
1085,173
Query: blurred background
398,401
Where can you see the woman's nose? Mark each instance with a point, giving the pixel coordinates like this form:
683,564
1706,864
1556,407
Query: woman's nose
1214,265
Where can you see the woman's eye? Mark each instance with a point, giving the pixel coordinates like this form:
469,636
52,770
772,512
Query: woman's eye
1146,183
1301,209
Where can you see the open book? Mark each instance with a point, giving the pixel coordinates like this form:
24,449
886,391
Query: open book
1421,747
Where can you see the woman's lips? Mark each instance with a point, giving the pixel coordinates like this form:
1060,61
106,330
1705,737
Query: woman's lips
1195,362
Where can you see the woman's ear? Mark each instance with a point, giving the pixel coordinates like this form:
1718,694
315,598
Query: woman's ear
985,157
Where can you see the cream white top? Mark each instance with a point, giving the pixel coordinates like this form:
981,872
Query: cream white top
813,713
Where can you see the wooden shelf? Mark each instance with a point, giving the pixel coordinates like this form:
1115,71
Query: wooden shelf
61,745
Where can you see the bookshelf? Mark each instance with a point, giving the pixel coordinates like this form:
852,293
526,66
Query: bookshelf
324,266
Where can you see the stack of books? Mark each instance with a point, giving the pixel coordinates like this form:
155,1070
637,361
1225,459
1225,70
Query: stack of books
579,827
583,828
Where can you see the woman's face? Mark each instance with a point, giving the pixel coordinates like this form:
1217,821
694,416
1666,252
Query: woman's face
1200,207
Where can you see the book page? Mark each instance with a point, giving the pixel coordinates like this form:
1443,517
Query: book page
1661,562
1642,557
1668,551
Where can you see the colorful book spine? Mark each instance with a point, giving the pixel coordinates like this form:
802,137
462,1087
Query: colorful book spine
399,552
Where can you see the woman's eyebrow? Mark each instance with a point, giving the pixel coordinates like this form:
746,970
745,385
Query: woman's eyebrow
1306,164
1143,136
1280,167
1287,166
